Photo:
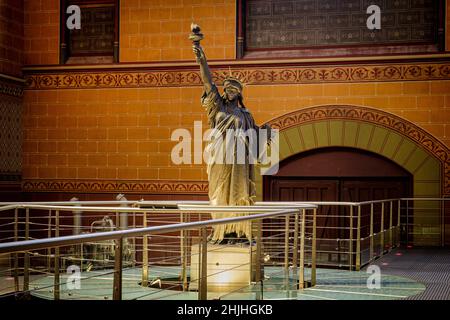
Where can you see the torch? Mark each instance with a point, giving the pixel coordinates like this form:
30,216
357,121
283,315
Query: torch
196,36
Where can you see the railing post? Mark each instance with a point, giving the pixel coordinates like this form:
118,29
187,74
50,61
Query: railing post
258,250
144,253
391,211
252,262
302,253
286,245
371,232
203,267
117,290
350,260
56,289
295,257
134,241
442,223
382,229
76,216
49,235
314,249
183,245
16,255
398,224
358,240
26,275
117,220
81,256
407,223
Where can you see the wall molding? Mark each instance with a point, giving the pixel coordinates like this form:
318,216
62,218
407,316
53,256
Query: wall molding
405,128
108,186
136,77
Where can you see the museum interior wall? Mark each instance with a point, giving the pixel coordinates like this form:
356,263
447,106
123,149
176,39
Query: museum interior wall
94,130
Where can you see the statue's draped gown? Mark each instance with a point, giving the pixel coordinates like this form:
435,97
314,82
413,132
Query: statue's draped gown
230,184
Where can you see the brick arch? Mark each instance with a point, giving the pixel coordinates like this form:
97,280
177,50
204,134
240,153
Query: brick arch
391,136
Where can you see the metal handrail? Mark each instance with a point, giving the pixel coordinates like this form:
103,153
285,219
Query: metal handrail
118,236
389,235
26,245
205,202
197,207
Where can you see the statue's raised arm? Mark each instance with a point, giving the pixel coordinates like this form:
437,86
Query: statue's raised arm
205,74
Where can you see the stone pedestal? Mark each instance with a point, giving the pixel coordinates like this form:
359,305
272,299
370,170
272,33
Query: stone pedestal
229,267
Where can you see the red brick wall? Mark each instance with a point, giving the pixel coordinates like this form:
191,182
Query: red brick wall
447,27
158,30
11,37
124,134
107,134
41,31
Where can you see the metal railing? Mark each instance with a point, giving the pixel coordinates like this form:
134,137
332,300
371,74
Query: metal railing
337,234
184,218
371,229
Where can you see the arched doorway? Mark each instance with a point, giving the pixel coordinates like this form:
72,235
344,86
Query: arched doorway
337,174
381,134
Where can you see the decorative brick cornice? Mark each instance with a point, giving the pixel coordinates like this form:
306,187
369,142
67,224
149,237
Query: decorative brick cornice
254,75
103,186
11,86
345,112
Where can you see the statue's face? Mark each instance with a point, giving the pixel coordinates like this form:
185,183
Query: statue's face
231,93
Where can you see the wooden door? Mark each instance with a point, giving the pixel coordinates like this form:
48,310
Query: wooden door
338,174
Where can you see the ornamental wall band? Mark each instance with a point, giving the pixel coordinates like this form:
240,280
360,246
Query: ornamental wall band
136,78
100,186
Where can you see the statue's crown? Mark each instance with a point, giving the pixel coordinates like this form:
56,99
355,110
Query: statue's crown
233,82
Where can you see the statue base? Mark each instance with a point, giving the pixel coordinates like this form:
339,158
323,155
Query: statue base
229,267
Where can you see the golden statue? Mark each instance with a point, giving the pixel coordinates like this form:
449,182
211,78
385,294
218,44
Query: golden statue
231,183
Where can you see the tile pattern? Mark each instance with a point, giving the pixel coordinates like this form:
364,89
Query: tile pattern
10,138
322,23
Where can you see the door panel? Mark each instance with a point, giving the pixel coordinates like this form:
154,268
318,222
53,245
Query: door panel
291,189
344,190
333,221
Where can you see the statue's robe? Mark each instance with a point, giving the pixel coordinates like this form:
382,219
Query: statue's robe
231,183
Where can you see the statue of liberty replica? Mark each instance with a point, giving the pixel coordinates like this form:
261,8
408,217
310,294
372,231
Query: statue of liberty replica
230,166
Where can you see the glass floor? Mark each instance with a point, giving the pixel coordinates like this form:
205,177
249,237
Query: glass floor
331,285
